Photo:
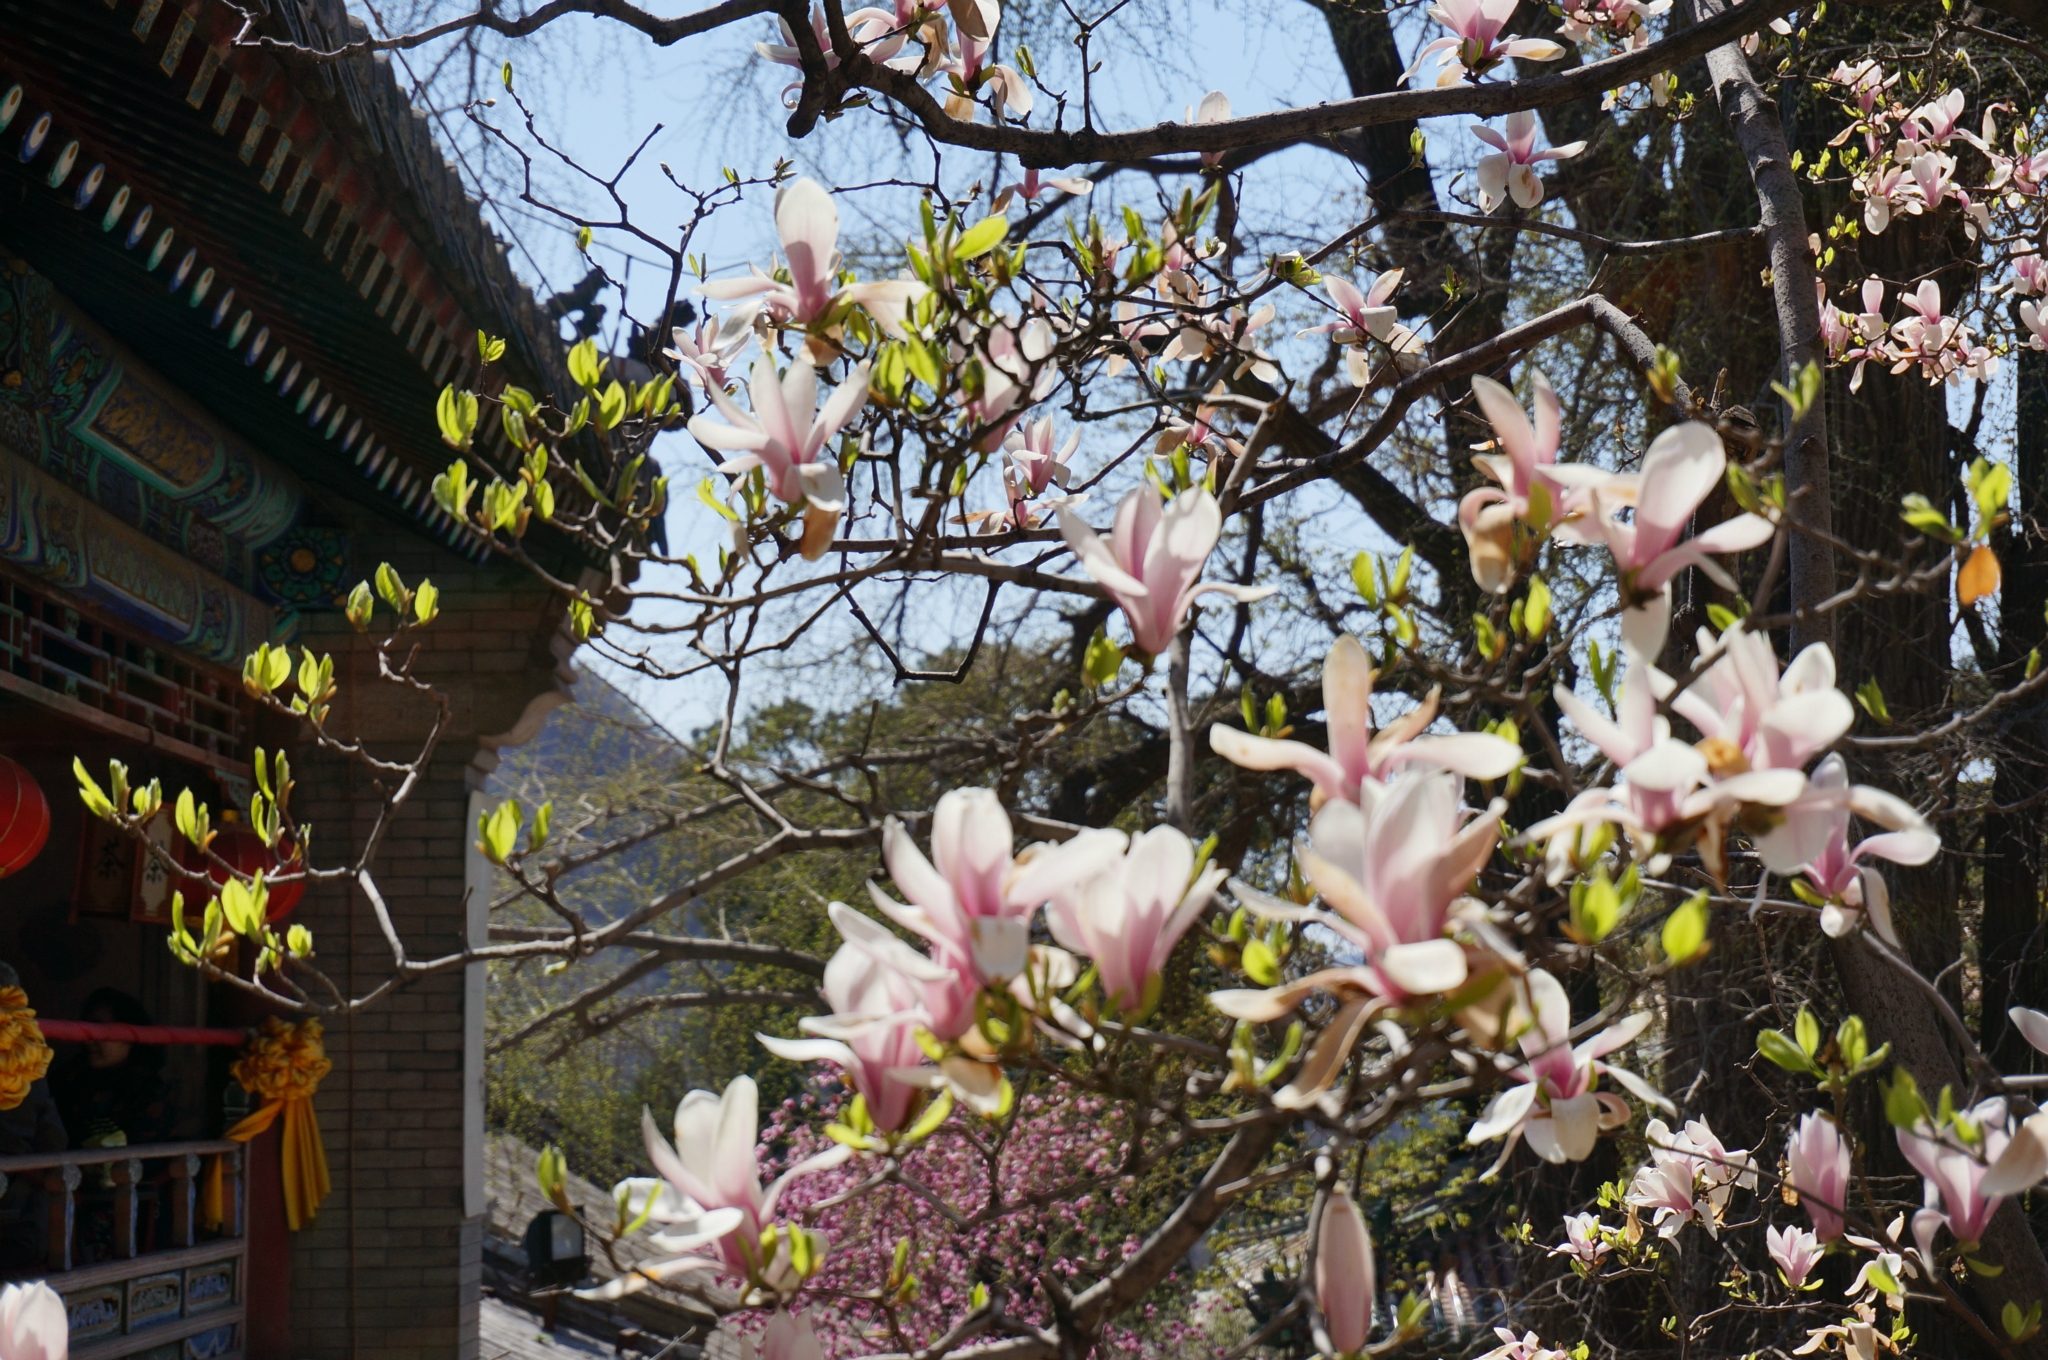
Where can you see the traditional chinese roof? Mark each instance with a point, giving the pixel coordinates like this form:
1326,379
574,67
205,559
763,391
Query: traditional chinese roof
282,240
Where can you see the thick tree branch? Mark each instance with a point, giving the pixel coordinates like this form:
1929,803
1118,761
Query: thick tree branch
662,31
1591,309
1054,147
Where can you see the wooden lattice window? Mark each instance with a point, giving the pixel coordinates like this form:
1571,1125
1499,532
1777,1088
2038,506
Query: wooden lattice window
50,644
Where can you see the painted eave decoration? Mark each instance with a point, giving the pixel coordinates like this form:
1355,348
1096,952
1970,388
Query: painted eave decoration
353,213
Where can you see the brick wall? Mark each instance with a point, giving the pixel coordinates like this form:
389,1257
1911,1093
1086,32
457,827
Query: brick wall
392,1267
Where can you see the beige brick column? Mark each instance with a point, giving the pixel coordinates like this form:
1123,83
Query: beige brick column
392,1268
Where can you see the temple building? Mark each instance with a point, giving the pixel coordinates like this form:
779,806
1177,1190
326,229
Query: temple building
232,283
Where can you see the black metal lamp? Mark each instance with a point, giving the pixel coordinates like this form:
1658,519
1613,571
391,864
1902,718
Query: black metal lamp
555,1252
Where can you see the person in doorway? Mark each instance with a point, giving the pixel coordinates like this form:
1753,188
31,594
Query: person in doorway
113,1093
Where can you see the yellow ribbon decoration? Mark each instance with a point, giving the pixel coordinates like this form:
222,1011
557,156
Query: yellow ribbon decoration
24,1057
283,1066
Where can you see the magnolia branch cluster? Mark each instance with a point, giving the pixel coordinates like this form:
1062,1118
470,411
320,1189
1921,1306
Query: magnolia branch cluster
905,433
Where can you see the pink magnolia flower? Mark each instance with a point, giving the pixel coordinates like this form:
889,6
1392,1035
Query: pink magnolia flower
1407,353
1014,375
1234,336
1391,871
2030,275
1511,172
1532,487
1360,314
718,1197
808,224
1214,108
1555,1106
960,899
1934,180
1752,43
706,357
1858,1336
1123,902
1813,839
1582,1241
2024,1163
788,1336
1937,121
1953,1175
1620,20
1887,190
1883,1271
1008,91
2036,322
2032,1025
1206,331
1033,455
1528,1346
1030,187
1132,330
1691,1176
1391,865
1199,435
783,438
1750,717
1356,755
1858,337
1472,48
1796,1251
1933,177
1192,337
1817,1167
880,991
33,1323
1866,81
1152,558
2024,174
1667,786
1717,1169
1942,345
787,53
1680,468
884,33
1345,1285
1837,327
1665,1188
1870,323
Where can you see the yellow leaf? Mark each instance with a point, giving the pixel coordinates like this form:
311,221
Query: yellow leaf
1979,577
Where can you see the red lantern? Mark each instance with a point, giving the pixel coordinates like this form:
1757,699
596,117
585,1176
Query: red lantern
237,843
24,817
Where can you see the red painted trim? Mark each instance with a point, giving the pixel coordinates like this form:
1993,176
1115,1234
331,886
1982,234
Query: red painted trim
84,1031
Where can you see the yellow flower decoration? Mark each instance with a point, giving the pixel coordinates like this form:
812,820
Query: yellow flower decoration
284,1061
282,1066
24,1057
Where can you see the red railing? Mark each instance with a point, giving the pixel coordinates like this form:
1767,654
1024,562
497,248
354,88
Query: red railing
170,1036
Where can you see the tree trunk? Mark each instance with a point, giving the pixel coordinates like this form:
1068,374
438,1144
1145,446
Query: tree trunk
2014,952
